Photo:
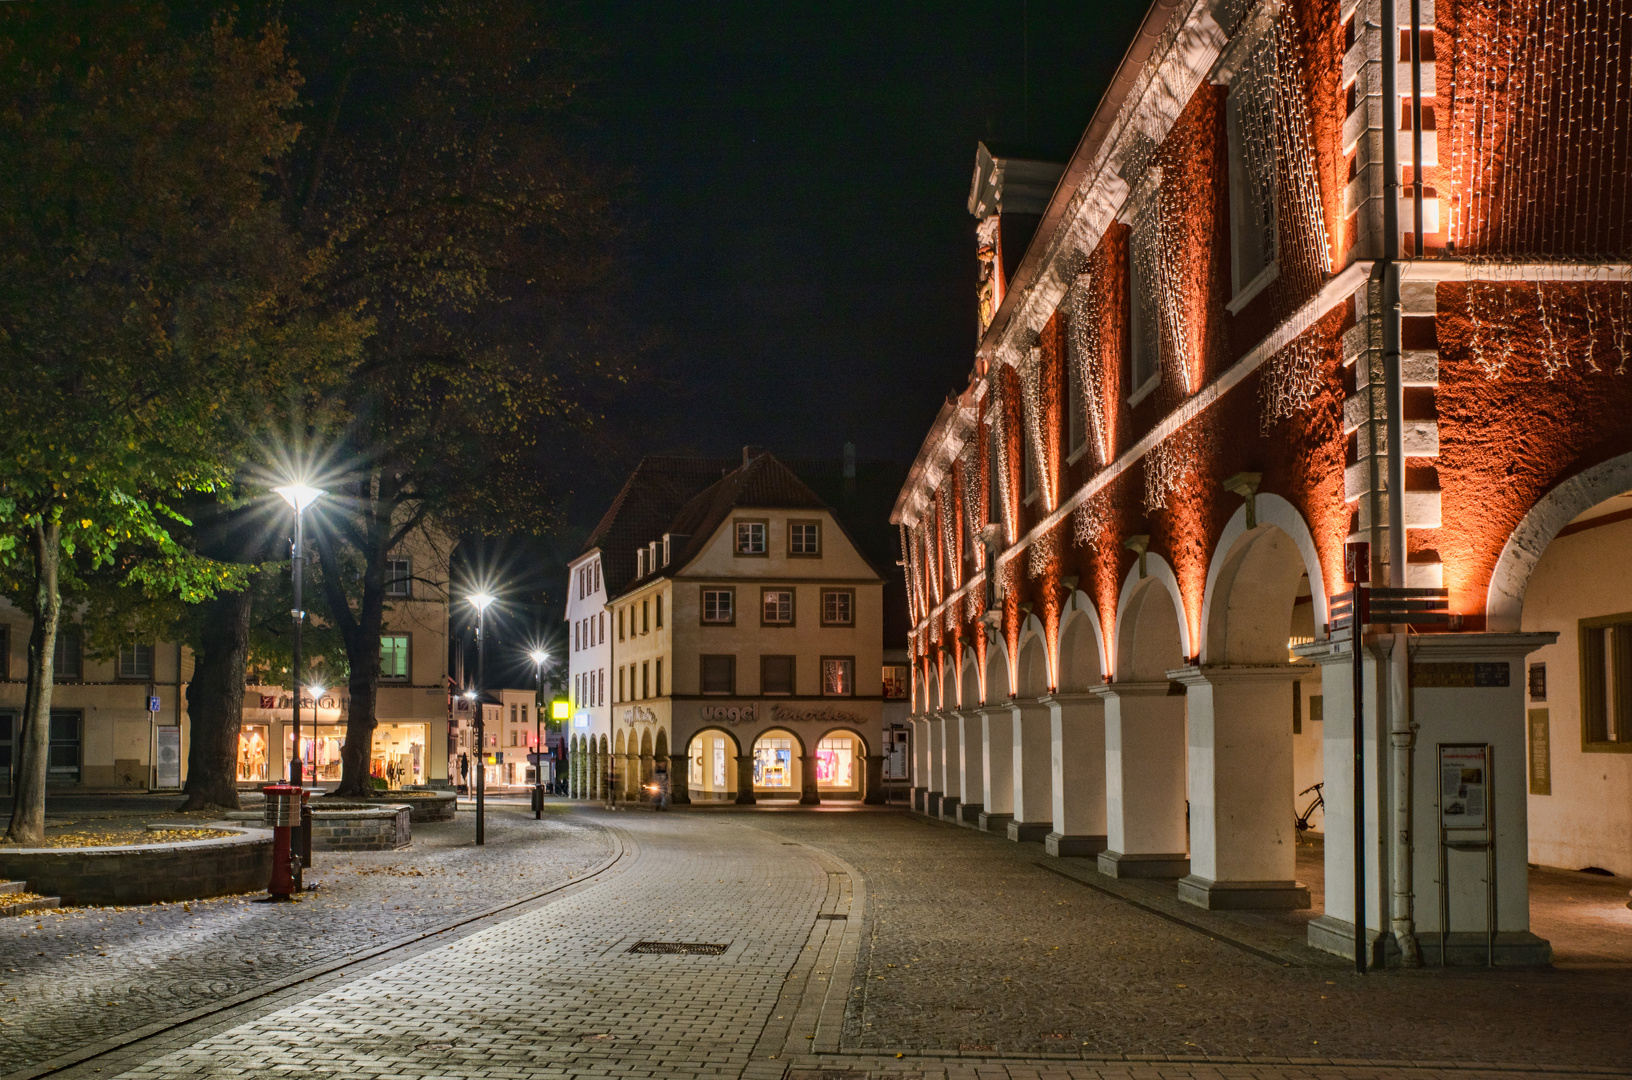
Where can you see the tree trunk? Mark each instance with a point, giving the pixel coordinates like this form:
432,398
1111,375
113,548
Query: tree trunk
28,809
357,753
215,701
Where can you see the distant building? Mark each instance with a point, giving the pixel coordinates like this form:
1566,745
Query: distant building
744,637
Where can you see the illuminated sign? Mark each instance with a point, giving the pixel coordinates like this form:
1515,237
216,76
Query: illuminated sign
560,708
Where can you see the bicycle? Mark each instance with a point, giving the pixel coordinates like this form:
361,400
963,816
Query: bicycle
1316,803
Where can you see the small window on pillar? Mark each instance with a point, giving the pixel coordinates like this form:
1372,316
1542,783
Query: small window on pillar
1606,683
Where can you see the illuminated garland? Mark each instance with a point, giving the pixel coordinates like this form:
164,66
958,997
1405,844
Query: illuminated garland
1085,315
1030,371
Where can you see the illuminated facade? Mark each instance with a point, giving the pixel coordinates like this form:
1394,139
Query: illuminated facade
1122,538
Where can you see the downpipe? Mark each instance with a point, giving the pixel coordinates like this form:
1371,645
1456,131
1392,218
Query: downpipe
1402,735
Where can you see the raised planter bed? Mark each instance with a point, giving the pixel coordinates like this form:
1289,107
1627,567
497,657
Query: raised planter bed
360,826
145,873
425,805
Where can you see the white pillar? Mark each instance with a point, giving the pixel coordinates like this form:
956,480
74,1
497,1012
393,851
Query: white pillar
936,727
952,767
1033,772
972,772
1243,837
1077,761
920,762
1145,832
997,737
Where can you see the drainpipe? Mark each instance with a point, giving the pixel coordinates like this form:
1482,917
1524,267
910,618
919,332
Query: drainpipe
1401,737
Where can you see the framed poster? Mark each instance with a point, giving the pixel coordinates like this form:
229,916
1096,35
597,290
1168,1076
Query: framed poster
1464,785
169,763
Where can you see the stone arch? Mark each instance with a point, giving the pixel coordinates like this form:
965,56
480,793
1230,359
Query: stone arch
660,745
996,684
1082,646
828,765
1149,616
764,761
1264,562
920,689
969,697
1033,667
1504,599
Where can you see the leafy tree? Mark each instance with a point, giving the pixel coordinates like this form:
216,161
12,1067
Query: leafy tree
149,293
431,172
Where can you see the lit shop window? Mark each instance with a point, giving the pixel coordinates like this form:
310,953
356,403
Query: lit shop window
836,762
773,762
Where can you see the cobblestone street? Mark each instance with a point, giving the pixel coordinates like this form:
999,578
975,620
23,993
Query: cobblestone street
858,946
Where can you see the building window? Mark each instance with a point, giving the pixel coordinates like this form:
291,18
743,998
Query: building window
838,676
136,661
751,538
63,754
596,587
719,674
623,694
5,653
394,657
657,602
1145,364
645,616
600,628
1606,683
657,678
776,607
776,675
399,577
67,658
895,680
719,606
1249,120
620,624
645,679
838,607
804,538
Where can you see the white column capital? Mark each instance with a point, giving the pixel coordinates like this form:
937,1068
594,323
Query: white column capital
1222,674
1132,689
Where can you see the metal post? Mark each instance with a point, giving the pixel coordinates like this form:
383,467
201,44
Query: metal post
481,730
1357,637
299,617
1416,127
538,743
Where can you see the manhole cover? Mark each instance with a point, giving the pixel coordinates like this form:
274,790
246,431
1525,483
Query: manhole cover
677,948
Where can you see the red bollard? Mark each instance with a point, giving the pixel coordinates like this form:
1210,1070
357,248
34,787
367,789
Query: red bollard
282,810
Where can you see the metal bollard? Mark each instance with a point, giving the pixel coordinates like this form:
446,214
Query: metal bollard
305,837
280,815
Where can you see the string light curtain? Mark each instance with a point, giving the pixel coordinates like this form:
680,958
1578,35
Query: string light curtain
1085,306
1030,371
997,417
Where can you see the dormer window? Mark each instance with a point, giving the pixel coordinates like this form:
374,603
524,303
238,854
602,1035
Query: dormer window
640,562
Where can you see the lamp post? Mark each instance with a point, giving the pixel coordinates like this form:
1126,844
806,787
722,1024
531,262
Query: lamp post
538,656
481,602
299,496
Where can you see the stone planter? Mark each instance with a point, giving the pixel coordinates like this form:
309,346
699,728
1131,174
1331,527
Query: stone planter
146,873
361,826
425,805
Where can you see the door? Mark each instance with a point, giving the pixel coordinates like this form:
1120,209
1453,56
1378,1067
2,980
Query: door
65,755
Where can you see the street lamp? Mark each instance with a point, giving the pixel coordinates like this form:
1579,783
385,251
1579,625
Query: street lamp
538,656
299,496
481,602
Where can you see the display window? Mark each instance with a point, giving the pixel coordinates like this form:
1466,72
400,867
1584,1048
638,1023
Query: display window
773,762
399,756
319,749
254,749
836,762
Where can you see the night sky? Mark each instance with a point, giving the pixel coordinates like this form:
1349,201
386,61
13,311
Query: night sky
800,254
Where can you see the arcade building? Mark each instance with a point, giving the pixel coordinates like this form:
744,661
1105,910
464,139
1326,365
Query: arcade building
1316,298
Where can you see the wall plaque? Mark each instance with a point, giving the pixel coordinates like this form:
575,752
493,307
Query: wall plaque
1457,674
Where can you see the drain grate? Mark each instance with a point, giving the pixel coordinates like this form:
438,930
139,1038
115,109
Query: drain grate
677,948
831,915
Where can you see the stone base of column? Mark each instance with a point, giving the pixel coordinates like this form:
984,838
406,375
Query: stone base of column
949,808
932,803
1029,831
920,797
969,813
1243,895
1514,948
1119,864
809,798
1083,847
995,823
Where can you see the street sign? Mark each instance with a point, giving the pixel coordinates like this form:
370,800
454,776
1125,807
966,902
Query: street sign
153,703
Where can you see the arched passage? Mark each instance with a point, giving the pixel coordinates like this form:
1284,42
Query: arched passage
712,765
1146,832
778,755
841,764
1077,736
1241,716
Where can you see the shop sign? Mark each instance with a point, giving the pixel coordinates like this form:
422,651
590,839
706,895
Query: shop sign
639,715
1454,675
728,714
788,714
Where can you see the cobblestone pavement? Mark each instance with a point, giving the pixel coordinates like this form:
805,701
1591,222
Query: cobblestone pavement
879,946
78,975
972,946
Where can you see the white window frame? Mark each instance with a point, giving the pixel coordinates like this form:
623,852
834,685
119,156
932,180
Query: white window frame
730,607
765,617
134,669
744,538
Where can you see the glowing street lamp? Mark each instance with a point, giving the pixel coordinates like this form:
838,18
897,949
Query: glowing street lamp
481,602
538,656
299,496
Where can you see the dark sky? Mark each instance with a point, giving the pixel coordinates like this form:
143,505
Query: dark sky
801,250
799,175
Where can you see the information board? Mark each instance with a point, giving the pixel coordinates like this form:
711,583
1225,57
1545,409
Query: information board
169,759
1464,776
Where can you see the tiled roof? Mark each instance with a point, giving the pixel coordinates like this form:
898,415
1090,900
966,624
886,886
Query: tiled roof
645,506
